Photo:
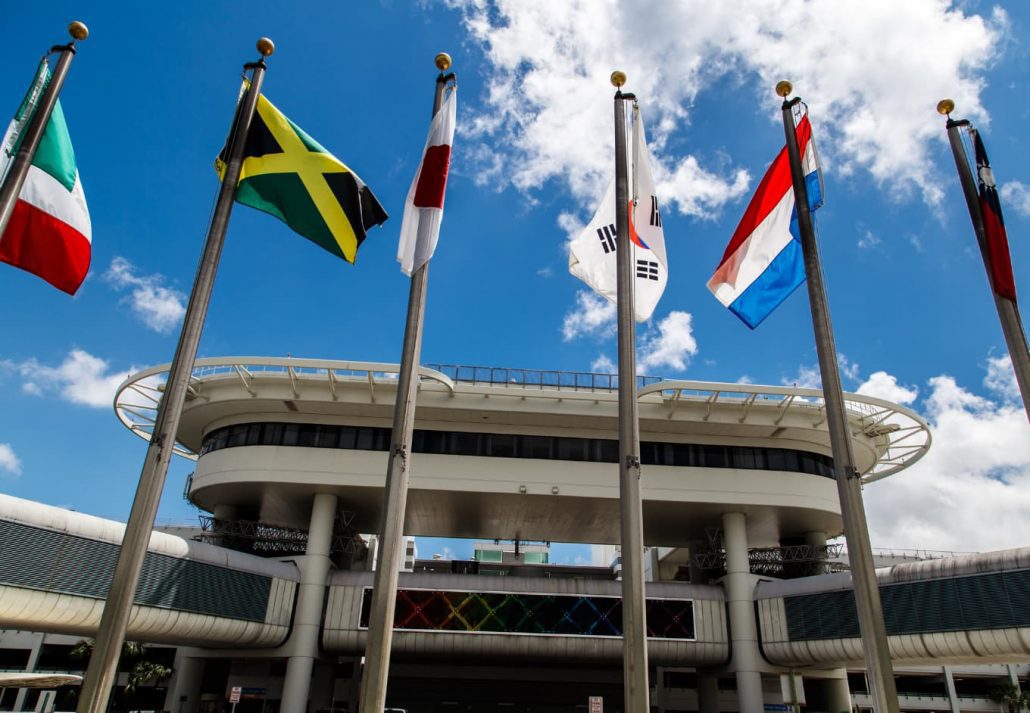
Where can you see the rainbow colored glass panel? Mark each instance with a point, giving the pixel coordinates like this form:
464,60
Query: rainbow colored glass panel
522,613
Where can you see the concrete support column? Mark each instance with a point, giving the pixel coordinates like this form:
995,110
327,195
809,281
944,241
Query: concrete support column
697,575
184,686
707,692
1013,675
302,647
652,565
949,683
838,693
741,608
224,512
37,646
817,541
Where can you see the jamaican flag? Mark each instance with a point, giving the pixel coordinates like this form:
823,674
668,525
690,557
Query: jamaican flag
290,175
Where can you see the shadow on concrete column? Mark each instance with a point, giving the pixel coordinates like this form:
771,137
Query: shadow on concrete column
740,603
302,647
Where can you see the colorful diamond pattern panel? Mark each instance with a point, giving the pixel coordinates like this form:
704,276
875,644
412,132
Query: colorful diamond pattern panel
521,613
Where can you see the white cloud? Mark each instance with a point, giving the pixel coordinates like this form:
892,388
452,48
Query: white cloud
1001,379
9,462
808,377
593,315
603,365
869,239
672,345
971,492
872,73
885,386
848,368
160,308
81,378
1016,195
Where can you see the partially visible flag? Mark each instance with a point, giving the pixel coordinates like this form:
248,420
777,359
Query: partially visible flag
763,263
423,210
288,174
592,255
994,225
49,232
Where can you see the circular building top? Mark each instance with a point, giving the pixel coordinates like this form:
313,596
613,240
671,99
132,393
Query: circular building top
888,437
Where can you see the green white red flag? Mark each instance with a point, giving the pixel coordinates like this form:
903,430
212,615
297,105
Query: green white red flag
49,232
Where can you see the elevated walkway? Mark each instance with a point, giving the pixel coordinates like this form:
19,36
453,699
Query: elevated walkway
55,566
965,609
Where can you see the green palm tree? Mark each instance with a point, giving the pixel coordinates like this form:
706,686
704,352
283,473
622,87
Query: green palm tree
142,672
1012,697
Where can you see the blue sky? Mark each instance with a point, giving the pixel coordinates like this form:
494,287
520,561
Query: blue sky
151,93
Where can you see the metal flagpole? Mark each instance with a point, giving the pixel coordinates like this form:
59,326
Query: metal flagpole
374,677
849,482
12,185
103,664
1008,310
631,519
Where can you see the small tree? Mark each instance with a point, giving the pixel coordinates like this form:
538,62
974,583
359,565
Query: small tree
144,672
141,673
1012,698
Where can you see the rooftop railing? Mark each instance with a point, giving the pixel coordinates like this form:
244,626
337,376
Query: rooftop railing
536,378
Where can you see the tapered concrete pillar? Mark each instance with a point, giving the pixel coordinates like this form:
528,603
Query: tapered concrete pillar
815,539
949,684
37,646
740,604
697,575
183,693
707,692
224,512
302,646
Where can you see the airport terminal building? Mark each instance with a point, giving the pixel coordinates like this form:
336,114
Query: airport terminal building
270,596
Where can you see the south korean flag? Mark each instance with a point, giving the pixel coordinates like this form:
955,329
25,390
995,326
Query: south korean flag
592,253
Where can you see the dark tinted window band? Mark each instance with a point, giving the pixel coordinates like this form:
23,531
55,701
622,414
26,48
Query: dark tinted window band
497,445
997,600
57,562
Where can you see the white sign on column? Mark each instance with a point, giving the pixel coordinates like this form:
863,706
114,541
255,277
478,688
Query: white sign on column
596,704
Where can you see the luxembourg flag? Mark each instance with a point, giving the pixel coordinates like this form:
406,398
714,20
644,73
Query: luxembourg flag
763,263
423,211
49,232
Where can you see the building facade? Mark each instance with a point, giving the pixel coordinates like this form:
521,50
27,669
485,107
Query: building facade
740,510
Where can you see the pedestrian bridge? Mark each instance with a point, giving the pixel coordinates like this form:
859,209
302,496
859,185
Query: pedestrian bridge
970,608
55,566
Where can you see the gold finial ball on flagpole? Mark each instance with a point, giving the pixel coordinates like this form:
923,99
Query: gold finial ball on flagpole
78,30
265,46
784,88
618,78
945,107
442,61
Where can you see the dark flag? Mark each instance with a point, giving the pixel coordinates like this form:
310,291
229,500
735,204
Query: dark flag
994,225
